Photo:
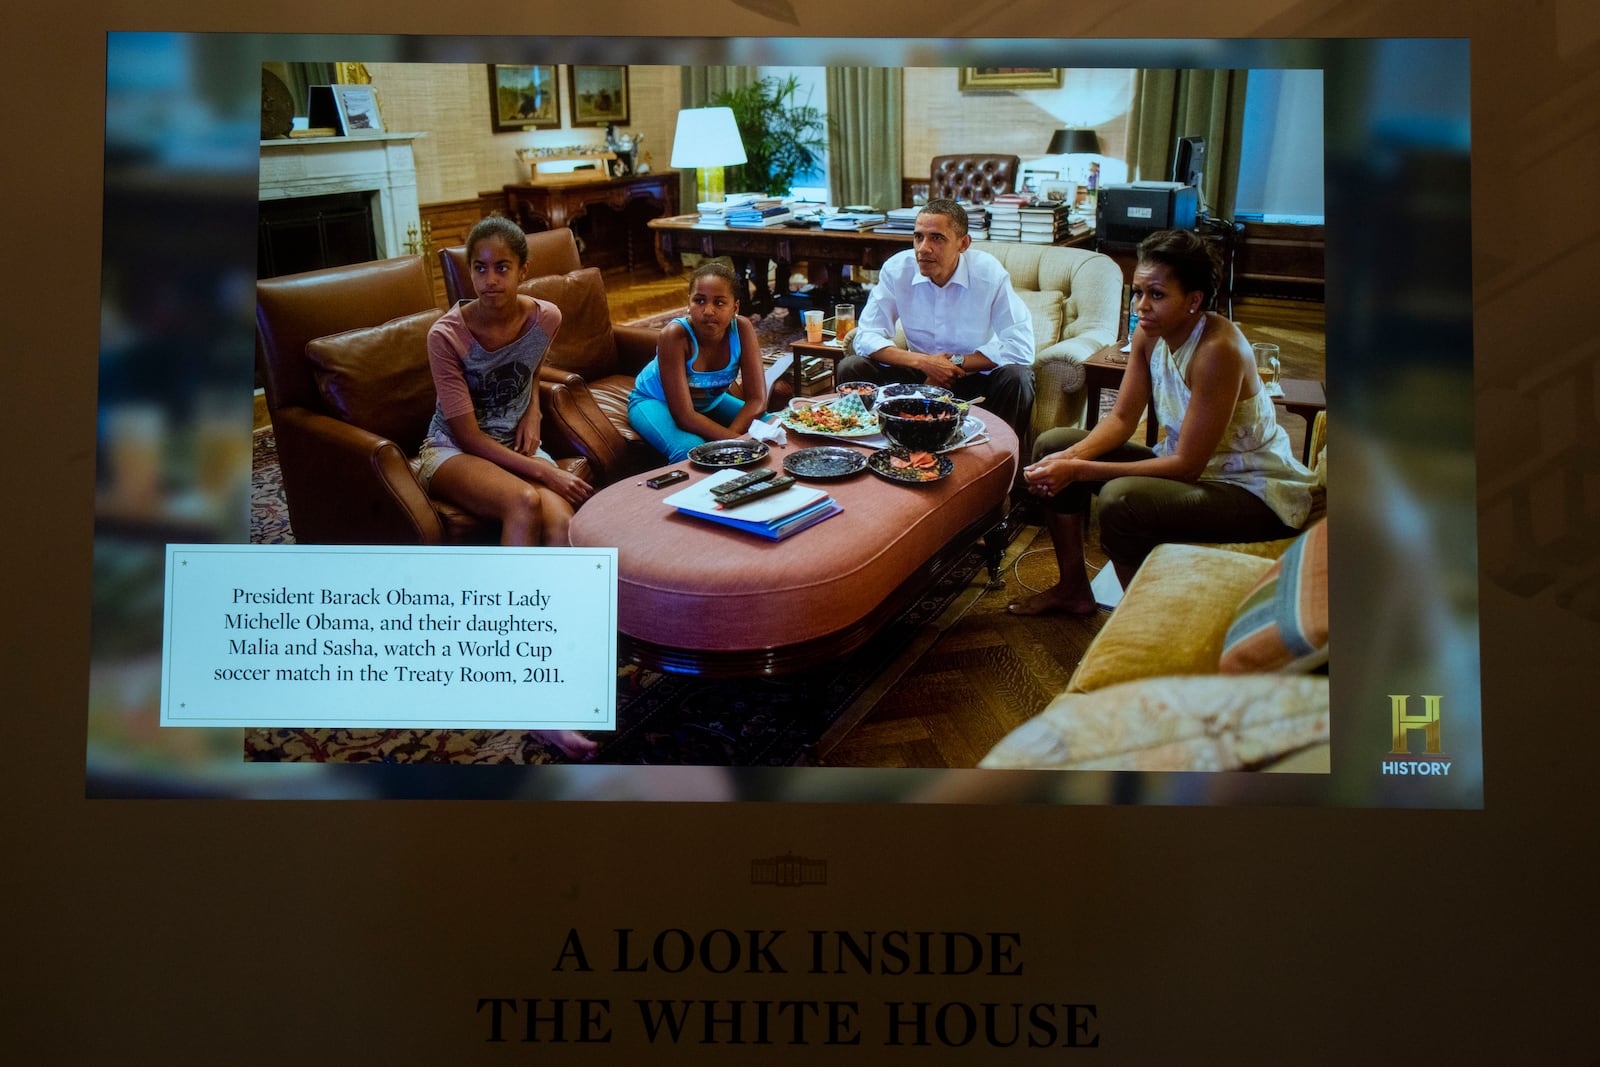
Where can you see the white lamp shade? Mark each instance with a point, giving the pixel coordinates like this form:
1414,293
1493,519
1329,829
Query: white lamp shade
707,137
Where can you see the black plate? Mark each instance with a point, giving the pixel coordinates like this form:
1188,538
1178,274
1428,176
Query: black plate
825,461
714,455
878,463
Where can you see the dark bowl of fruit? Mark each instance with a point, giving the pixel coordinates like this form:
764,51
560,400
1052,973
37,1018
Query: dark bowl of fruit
918,423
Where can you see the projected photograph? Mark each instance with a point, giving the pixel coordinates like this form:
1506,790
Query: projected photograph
1079,539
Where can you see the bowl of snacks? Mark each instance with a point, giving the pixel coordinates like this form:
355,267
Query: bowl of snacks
865,391
931,392
918,423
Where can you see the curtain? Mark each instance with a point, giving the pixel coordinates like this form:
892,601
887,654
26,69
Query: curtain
699,86
1169,104
864,135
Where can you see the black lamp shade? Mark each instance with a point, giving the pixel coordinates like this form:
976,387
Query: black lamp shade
1074,143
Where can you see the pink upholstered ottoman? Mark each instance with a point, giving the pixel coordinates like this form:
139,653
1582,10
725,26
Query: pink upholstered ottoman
698,597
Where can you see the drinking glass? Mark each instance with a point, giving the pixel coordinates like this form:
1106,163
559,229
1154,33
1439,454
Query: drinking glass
844,320
813,321
1267,362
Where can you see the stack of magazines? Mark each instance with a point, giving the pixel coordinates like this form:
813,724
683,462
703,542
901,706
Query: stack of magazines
759,213
900,220
779,515
854,220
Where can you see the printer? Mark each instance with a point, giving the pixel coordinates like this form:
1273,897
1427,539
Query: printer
1127,213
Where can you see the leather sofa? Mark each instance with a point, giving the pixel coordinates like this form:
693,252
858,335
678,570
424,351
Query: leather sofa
976,177
343,356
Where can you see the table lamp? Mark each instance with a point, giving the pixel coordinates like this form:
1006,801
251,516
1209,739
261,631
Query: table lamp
707,139
1074,143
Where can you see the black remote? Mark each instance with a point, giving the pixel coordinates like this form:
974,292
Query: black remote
744,481
756,491
669,478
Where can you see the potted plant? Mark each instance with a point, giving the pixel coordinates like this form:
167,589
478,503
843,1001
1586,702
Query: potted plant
782,137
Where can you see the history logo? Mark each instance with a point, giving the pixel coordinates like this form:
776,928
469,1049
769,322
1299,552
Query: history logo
1431,760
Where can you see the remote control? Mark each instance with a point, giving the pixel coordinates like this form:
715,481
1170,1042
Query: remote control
756,491
744,481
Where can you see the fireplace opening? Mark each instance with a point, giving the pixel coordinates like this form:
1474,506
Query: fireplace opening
311,232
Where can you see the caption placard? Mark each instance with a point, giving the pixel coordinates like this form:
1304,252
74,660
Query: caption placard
331,636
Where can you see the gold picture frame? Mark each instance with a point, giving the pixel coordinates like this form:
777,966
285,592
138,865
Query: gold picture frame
524,97
599,95
1010,78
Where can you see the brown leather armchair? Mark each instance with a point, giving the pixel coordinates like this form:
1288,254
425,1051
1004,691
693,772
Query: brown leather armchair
343,356
976,176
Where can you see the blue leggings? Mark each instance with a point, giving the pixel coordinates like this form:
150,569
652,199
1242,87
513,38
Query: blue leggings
653,420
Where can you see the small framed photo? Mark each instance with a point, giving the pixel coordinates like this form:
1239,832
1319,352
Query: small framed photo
524,98
358,109
1058,192
1032,181
599,95
1010,78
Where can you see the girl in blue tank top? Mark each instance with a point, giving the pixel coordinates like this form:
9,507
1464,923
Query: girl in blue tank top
681,398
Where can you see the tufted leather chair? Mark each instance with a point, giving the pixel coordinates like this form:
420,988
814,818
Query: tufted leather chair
343,356
976,176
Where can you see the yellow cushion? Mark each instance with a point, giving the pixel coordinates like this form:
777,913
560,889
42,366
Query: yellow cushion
1172,618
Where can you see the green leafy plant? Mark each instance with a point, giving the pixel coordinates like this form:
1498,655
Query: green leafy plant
783,138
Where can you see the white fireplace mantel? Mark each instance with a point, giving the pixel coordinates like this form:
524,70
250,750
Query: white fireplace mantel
380,163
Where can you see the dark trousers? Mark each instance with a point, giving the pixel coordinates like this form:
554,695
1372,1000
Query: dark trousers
1138,513
1008,390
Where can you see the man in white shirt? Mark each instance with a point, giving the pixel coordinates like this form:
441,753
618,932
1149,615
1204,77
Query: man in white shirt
965,328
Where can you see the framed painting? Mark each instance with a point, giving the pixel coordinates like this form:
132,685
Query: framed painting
1009,78
524,97
599,95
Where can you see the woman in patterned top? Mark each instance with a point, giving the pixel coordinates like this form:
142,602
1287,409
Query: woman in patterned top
1223,470
681,399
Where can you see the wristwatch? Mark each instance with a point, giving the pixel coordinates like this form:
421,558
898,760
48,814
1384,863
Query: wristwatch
956,361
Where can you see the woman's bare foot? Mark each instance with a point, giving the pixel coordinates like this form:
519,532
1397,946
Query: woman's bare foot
1053,601
569,743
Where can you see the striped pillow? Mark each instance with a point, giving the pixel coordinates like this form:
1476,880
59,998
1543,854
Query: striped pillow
1282,624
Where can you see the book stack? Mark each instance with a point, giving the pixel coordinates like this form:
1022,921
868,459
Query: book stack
760,213
775,517
1043,223
715,212
900,220
854,220
1004,223
977,220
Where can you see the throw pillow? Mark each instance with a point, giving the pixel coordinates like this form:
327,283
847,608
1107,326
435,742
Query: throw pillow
1282,624
585,344
1048,310
378,377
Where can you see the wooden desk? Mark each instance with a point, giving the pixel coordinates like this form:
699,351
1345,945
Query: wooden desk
782,244
609,237
1103,370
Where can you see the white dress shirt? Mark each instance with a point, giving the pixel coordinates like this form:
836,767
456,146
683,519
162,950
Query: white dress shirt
976,310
